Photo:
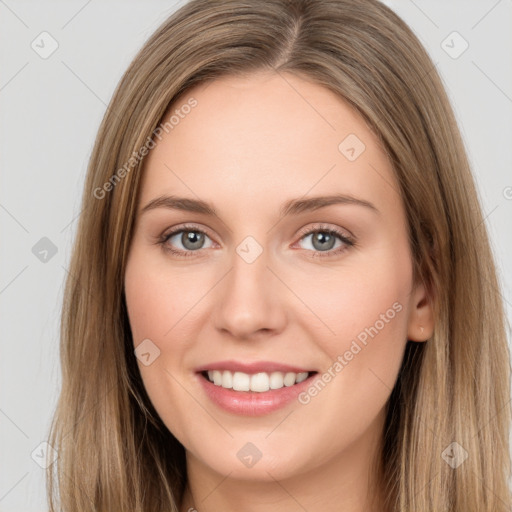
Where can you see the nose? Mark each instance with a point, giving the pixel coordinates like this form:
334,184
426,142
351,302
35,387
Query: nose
250,300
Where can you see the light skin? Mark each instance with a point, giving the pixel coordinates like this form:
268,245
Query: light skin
250,145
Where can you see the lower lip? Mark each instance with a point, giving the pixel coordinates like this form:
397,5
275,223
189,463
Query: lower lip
250,403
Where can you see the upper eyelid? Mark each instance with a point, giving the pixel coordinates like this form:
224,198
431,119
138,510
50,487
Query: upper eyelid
322,226
179,229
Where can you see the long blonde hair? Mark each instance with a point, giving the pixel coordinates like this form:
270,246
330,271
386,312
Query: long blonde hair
115,454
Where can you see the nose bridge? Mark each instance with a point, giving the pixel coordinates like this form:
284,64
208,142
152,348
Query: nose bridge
249,269
249,299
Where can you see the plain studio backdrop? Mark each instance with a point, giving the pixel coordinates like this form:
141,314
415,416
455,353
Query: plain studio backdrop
60,62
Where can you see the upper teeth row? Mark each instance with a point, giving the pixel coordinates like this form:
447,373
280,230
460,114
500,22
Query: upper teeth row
258,382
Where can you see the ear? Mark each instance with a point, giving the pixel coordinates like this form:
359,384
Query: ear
421,315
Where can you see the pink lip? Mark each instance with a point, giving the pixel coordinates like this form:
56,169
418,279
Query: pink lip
251,368
251,403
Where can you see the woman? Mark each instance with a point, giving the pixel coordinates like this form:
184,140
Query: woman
282,294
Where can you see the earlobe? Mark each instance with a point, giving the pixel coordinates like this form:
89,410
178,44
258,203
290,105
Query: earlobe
421,317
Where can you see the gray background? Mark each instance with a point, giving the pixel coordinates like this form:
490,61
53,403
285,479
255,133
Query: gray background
50,111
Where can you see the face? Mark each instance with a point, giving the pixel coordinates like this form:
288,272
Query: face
303,305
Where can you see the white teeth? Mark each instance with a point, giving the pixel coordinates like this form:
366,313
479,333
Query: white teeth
227,380
258,382
289,379
241,381
276,380
301,376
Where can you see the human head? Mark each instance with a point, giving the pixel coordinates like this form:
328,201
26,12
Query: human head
260,292
400,97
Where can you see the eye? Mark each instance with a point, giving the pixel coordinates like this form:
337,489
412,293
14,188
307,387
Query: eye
191,239
323,240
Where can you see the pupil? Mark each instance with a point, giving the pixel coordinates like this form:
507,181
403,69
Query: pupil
324,239
194,238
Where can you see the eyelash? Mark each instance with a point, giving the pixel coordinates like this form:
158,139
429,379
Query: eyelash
348,241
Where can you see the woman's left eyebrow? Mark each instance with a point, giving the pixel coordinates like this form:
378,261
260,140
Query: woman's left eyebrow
295,206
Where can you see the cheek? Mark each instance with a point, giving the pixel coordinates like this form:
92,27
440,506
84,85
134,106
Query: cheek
157,300
372,317
362,312
157,305
367,310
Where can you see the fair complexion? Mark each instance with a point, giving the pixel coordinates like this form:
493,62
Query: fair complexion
250,145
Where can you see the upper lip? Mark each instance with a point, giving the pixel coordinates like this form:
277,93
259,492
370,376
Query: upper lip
252,367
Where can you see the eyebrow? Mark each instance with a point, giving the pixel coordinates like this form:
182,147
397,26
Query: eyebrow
291,207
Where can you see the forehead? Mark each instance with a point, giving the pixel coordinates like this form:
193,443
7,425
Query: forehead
266,135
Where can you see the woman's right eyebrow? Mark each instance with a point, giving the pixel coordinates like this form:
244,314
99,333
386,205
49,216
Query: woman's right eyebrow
180,203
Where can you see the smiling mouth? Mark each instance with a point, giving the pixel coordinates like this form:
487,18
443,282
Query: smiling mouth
256,382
